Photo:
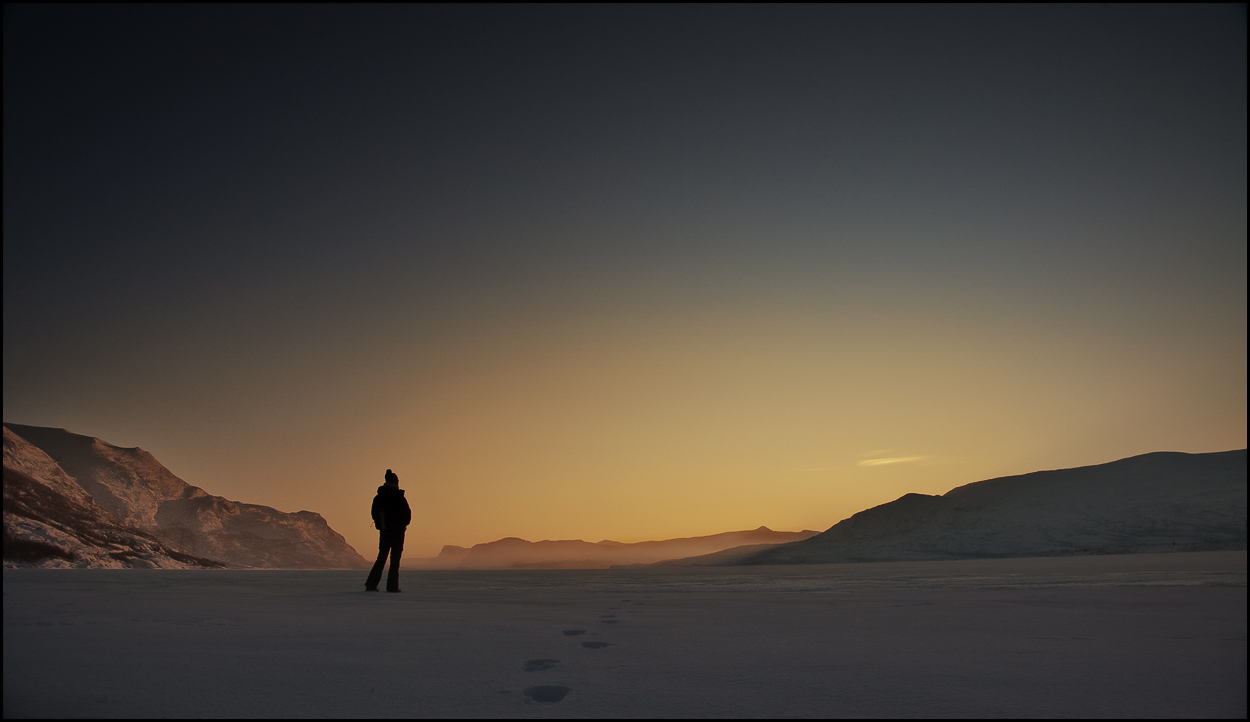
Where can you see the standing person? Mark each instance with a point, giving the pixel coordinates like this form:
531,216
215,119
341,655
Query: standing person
391,516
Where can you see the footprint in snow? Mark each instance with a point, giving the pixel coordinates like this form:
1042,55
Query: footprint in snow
545,694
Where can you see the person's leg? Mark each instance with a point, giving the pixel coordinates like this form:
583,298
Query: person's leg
375,574
397,550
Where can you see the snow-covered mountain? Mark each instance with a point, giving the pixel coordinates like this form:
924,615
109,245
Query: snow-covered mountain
73,500
1164,501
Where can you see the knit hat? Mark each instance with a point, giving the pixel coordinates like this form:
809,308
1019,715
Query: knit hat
391,478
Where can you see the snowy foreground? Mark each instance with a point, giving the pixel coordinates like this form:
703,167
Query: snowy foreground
1148,635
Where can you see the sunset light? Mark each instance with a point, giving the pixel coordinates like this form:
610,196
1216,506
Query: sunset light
553,306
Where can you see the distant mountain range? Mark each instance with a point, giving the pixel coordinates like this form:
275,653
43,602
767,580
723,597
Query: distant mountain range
514,553
76,501
1158,502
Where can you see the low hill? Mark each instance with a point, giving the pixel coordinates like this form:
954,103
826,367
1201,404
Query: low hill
1165,501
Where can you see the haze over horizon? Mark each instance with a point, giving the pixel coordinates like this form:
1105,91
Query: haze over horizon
624,273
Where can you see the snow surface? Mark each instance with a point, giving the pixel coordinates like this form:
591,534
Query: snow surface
1148,635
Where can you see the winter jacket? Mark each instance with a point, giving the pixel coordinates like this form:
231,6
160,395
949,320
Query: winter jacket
390,509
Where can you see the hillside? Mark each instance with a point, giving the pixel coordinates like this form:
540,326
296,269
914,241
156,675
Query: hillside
73,500
1164,501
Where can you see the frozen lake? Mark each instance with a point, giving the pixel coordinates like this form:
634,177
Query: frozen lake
1151,635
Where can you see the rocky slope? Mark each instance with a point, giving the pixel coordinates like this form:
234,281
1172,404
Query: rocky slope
69,492
1164,501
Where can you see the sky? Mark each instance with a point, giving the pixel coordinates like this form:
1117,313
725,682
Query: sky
626,272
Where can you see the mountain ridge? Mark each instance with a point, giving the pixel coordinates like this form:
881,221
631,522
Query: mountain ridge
126,490
517,553
1160,501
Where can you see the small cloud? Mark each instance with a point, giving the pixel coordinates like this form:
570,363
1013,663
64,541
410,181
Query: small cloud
890,460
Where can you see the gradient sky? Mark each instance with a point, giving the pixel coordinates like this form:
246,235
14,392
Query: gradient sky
624,272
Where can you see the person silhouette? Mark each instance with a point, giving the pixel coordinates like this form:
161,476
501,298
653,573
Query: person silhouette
391,516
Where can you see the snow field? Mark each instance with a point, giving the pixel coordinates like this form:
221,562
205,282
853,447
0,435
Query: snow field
1125,636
